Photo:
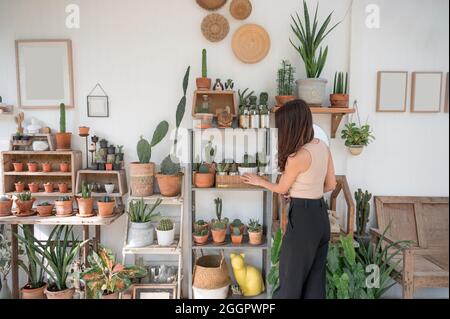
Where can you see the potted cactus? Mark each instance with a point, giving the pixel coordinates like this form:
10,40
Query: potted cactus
340,97
200,224
219,225
255,232
24,203
237,223
362,199
249,166
285,83
63,139
204,83
64,206
63,188
205,176
47,167
236,236
18,167
32,167
85,202
45,209
201,236
264,116
165,232
20,187
141,216
106,207
5,206
64,167
48,187
33,187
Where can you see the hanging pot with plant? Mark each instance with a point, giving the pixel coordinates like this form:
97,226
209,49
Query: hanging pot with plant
141,216
63,139
340,97
219,225
285,83
204,83
357,136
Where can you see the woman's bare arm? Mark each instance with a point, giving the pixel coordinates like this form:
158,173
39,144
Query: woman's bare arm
330,179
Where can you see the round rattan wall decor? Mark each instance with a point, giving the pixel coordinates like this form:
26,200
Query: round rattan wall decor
251,43
241,9
211,4
215,27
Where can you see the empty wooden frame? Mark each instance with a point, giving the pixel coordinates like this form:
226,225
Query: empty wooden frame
426,92
392,91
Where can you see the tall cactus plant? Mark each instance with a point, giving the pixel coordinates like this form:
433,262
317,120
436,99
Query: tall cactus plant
362,211
62,118
144,147
204,64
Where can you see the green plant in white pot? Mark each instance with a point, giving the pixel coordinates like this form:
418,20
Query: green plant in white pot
310,36
141,216
357,136
165,232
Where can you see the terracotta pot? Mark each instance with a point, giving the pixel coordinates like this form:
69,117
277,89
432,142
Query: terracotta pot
83,130
32,167
85,206
63,141
255,238
64,208
204,180
48,188
109,166
18,167
64,294
236,240
169,185
45,211
106,209
201,240
283,99
142,178
64,167
33,187
204,84
219,235
5,208
205,121
37,293
339,100
47,167
356,150
114,295
20,187
63,188
24,207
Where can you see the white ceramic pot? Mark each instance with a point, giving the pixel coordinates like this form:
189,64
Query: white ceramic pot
221,293
247,170
140,235
165,238
312,91
109,188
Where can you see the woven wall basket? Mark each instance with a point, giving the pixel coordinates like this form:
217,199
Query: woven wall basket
251,43
241,9
211,4
215,27
211,272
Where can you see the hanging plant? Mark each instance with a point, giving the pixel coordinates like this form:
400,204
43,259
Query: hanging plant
357,136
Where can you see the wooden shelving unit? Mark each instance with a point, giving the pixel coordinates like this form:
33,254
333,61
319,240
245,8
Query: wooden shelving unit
118,178
217,100
48,138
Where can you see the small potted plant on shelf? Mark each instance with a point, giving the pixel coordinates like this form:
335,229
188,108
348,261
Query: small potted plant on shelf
85,202
249,166
264,112
64,167
20,187
45,209
170,178
357,136
255,232
201,236
109,165
18,167
165,232
234,171
237,223
48,187
106,207
63,139
5,206
340,97
33,187
219,225
120,154
63,188
109,188
64,206
83,131
362,215
285,83
32,167
141,216
47,167
222,168
24,203
205,176
105,278
236,236
200,224
204,83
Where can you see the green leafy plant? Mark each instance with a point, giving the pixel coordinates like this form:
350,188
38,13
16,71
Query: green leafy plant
340,83
144,148
223,167
62,118
24,197
140,212
6,254
204,64
203,168
105,276
310,37
237,223
274,274
355,135
165,225
254,226
362,211
264,99
244,96
236,231
285,79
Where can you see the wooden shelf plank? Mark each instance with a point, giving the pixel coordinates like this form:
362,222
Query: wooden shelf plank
87,171
68,153
228,245
43,194
329,110
174,249
58,174
100,195
215,189
54,220
166,200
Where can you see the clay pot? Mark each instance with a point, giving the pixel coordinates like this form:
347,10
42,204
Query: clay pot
47,167
5,208
109,166
63,188
37,293
85,206
204,180
32,167
283,99
205,121
237,240
48,188
339,100
114,295
63,141
219,235
45,211
204,84
20,187
170,185
64,167
18,167
255,239
197,227
64,294
64,208
33,187
356,150
106,209
201,240
142,179
83,131
24,207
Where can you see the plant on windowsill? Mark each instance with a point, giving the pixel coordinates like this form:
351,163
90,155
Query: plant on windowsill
219,225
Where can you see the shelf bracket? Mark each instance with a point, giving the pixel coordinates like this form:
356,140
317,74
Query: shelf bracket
336,120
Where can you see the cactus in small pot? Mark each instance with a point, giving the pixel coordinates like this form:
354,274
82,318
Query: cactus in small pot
63,139
86,202
363,199
236,236
219,225
64,206
205,177
165,232
201,236
255,232
237,223
106,206
170,178
340,97
24,203
204,83
45,209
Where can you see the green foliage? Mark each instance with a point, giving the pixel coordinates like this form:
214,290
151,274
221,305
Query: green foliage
254,226
86,191
168,167
201,232
340,83
219,223
165,225
181,108
237,223
106,199
244,96
204,64
144,148
219,203
24,197
203,168
44,204
223,167
264,98
140,212
286,78
362,211
274,274
310,37
237,231
64,199
62,118
355,135
105,276
234,168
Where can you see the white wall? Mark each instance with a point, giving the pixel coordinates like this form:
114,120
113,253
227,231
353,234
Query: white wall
139,49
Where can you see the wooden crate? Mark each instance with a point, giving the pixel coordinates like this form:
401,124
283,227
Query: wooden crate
217,100
118,178
27,145
233,182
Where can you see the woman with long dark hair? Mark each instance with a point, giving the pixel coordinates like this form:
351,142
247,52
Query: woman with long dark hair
308,173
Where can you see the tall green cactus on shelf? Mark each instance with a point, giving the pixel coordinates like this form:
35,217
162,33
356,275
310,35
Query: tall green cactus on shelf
362,211
62,118
204,64
144,147
340,83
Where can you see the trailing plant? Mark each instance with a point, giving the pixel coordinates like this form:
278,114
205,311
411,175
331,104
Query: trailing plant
34,272
286,79
310,37
62,118
254,226
105,276
204,64
24,197
340,83
274,274
140,212
144,147
362,211
165,225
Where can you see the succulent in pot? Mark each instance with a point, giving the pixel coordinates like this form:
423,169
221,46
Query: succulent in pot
33,187
45,209
64,167
141,216
63,139
86,202
64,206
48,187
357,136
47,167
219,225
170,178
106,207
5,206
200,224
237,223
165,232
20,187
105,278
32,167
18,167
236,236
63,188
222,168
340,97
201,236
285,83
24,203
255,232
249,166
109,166
205,177
204,83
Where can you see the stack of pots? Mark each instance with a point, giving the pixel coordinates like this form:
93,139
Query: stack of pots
211,279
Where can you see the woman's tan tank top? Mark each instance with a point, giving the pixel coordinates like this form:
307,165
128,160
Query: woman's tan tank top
310,185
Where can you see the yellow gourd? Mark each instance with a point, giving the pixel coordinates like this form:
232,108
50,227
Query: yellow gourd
249,278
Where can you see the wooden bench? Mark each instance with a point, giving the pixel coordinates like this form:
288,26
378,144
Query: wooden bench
424,222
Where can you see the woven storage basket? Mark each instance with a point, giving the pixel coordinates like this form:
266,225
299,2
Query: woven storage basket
211,272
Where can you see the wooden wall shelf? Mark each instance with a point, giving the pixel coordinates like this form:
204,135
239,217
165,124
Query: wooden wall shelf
217,100
118,178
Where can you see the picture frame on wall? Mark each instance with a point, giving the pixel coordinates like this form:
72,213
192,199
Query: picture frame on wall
426,92
98,105
155,291
392,91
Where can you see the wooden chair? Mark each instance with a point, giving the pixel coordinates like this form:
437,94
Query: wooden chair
424,222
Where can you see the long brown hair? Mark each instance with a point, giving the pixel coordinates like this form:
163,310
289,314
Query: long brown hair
295,129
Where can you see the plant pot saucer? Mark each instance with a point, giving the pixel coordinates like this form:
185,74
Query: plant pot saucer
85,216
26,214
203,244
68,215
219,244
48,215
112,215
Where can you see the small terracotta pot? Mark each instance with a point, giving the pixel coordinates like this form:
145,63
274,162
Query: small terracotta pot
47,168
48,188
106,209
283,99
237,240
203,84
85,206
5,208
33,187
63,141
64,294
64,208
64,167
201,240
339,100
109,166
356,150
255,239
32,167
20,187
63,188
83,130
24,207
114,295
37,293
169,185
18,167
204,180
45,211
219,235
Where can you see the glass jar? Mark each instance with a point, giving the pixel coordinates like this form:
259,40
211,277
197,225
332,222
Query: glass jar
244,119
204,108
254,118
